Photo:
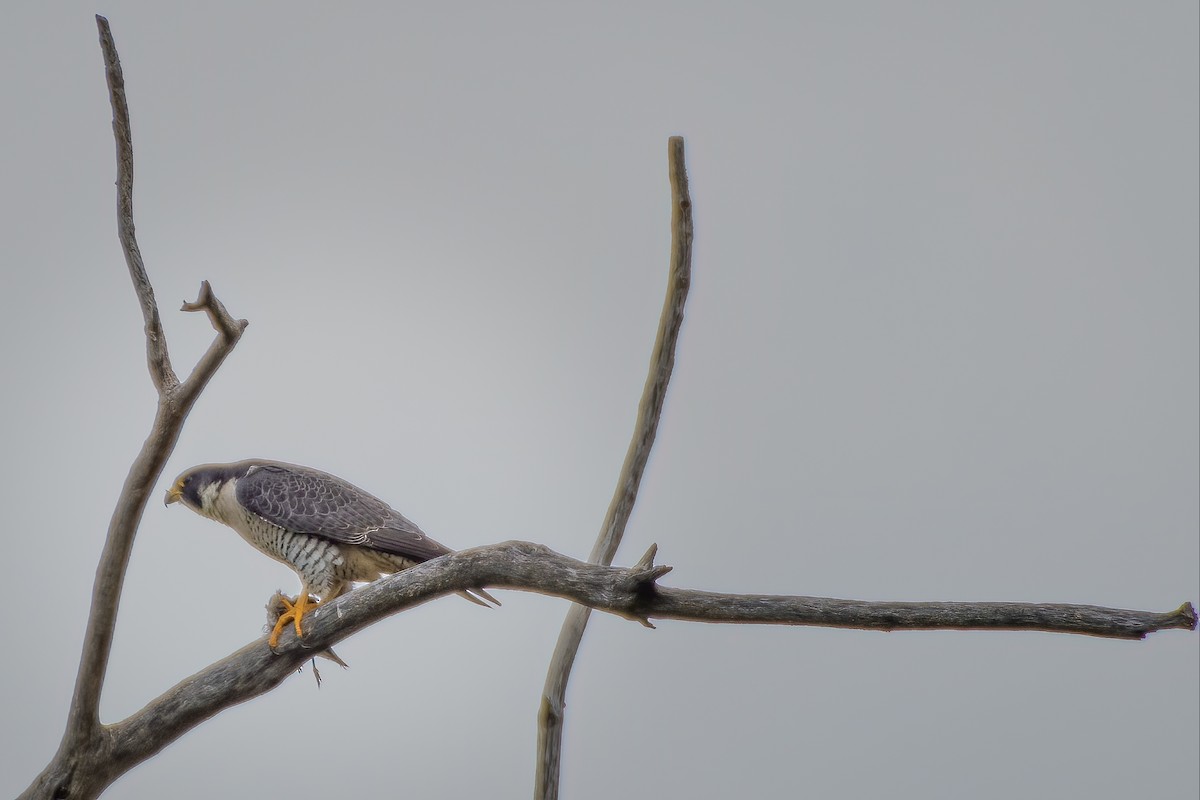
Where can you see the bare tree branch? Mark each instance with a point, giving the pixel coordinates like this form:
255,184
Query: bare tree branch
228,329
630,592
662,363
634,593
84,734
156,341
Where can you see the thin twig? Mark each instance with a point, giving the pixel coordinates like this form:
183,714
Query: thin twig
228,329
553,703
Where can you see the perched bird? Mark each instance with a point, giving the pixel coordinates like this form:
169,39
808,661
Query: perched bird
329,531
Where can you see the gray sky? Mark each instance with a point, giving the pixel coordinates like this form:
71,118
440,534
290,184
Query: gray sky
942,344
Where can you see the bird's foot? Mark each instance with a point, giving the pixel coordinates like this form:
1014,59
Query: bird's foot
293,612
277,606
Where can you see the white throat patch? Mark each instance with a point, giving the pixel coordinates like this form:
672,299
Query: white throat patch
208,501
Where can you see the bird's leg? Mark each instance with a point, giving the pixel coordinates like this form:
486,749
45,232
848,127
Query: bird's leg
298,611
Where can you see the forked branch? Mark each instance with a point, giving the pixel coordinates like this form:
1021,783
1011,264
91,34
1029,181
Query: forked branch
79,753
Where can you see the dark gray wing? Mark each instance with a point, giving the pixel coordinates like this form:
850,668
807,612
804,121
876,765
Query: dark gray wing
306,500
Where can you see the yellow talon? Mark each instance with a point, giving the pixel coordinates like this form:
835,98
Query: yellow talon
293,613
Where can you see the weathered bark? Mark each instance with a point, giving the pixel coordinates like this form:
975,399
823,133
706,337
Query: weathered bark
630,592
84,737
662,363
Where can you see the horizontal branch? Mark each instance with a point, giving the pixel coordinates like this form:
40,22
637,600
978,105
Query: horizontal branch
630,592
1112,623
633,593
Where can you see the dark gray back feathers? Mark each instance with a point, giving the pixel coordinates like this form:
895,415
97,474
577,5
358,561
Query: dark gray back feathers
305,500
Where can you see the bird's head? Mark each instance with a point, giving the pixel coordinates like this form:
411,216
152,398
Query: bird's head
198,487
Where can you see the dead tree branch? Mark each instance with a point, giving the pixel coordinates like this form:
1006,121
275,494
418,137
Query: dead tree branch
662,363
84,736
630,592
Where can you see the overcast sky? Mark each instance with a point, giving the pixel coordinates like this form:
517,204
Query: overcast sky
942,343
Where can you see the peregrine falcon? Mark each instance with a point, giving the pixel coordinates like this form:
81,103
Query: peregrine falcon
329,531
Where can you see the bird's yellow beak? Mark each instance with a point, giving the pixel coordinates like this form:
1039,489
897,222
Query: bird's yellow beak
174,493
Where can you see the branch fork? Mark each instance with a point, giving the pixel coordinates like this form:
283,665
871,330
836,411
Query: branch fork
222,321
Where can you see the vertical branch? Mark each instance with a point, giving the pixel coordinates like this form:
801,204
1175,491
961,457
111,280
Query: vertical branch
662,362
83,720
156,342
